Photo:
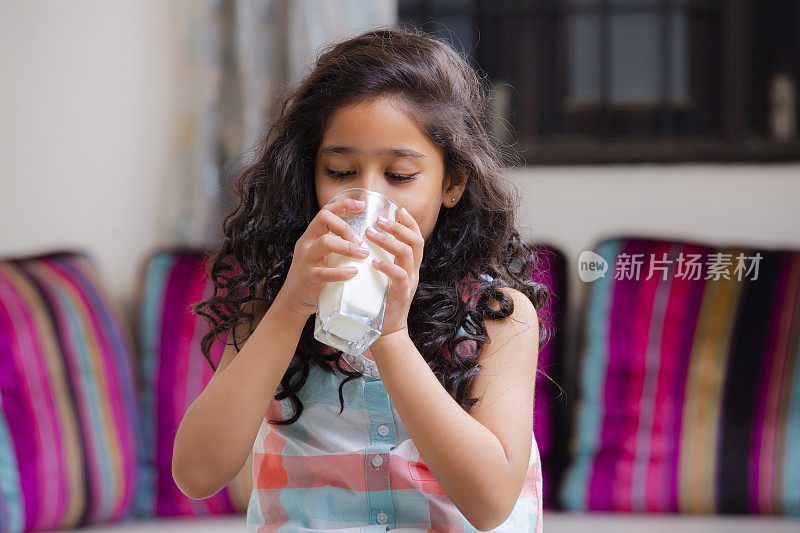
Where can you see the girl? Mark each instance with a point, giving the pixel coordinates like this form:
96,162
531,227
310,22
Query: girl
450,379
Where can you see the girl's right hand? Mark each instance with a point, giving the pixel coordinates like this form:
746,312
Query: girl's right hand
308,272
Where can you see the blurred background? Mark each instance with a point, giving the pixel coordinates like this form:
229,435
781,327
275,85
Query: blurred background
120,119
122,122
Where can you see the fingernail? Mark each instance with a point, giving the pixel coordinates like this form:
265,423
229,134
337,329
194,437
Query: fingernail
383,219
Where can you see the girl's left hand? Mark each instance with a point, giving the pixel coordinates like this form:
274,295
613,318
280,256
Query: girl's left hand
406,243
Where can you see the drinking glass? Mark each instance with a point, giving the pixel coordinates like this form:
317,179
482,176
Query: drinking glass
350,313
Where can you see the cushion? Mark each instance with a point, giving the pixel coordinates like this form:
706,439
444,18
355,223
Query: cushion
549,406
689,382
173,374
69,426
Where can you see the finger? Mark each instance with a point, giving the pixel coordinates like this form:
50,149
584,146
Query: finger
388,242
406,219
402,252
405,229
328,274
333,243
343,204
418,245
395,272
328,221
401,231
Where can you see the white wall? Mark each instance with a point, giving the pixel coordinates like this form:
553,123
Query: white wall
739,204
85,130
736,204
87,137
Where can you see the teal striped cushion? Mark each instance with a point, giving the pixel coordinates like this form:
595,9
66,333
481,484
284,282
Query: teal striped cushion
173,374
689,383
69,421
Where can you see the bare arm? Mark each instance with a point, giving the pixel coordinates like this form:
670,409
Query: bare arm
217,432
480,459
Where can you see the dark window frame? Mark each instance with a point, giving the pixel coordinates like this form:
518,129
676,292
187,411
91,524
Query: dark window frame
724,108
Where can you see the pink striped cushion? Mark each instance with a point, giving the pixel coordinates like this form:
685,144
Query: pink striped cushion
689,386
550,409
68,416
174,373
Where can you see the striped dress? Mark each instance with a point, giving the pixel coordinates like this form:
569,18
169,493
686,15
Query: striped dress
358,471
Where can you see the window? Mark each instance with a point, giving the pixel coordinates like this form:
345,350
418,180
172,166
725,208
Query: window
603,81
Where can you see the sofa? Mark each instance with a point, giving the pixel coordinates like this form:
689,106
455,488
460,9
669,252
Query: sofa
680,407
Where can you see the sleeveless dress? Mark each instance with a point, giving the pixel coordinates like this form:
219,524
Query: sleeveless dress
358,471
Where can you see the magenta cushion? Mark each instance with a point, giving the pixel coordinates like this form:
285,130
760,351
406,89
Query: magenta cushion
689,385
550,407
173,374
69,422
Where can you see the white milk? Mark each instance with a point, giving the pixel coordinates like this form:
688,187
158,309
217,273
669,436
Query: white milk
361,295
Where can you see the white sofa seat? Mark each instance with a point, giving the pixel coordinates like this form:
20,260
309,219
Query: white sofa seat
554,522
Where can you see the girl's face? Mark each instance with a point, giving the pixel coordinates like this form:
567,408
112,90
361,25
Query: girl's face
375,145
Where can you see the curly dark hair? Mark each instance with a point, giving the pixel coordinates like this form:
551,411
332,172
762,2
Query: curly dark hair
277,201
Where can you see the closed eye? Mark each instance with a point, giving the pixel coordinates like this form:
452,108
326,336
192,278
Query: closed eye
342,174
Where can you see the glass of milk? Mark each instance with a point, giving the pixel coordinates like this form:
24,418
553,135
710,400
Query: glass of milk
350,312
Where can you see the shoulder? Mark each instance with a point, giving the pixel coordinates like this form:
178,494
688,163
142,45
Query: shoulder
513,341
524,313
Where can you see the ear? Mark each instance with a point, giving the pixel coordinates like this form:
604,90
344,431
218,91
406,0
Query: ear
453,187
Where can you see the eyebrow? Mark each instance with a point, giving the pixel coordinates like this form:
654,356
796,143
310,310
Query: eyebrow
396,152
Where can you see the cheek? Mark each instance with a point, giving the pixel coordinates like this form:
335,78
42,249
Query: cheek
324,192
425,219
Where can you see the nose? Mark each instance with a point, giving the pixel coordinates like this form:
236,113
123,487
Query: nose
372,180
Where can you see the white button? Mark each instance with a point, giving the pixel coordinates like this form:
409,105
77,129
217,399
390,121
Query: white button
383,429
383,517
377,461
